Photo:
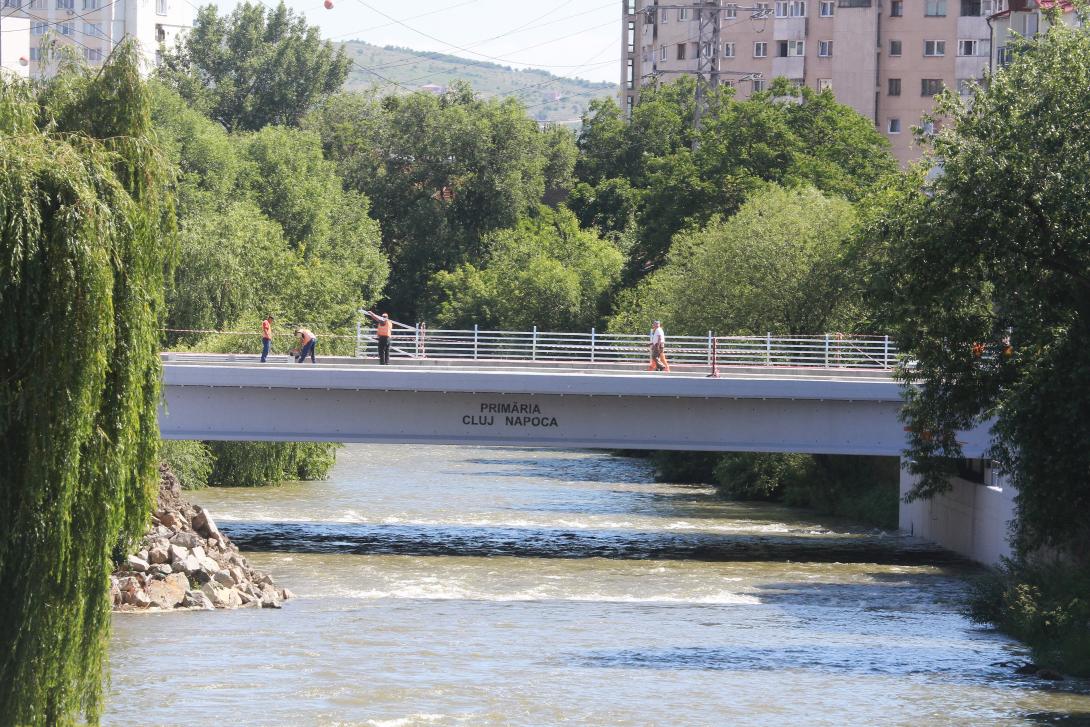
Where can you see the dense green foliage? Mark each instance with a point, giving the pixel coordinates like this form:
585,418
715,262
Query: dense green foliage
656,173
85,237
1044,604
191,462
982,271
776,265
253,68
545,272
443,173
251,464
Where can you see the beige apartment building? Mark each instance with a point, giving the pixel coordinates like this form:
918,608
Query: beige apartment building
887,59
93,27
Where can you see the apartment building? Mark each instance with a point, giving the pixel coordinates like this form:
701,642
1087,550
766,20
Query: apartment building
887,59
93,27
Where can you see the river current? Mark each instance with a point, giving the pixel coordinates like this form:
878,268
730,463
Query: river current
475,586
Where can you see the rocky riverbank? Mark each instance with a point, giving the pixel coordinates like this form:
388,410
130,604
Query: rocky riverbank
185,562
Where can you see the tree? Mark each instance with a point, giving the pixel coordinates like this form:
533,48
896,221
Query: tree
773,266
680,178
442,173
983,272
85,238
544,272
252,69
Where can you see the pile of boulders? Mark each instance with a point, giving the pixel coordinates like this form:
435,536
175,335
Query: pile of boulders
185,562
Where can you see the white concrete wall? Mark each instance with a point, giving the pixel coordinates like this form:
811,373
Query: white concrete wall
970,519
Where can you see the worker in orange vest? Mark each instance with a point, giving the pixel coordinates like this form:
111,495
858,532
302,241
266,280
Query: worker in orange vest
384,331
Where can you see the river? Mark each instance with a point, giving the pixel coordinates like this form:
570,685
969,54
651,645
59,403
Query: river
466,586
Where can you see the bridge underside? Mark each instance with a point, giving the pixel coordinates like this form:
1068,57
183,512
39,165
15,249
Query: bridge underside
747,414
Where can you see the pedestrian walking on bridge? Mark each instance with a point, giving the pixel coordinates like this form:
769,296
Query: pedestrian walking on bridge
384,331
658,349
307,344
266,337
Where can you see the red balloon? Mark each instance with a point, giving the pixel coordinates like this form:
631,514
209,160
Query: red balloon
328,4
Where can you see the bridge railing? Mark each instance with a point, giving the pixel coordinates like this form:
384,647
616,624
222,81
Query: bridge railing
822,351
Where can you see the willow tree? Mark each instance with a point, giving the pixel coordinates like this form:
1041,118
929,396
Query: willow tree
85,223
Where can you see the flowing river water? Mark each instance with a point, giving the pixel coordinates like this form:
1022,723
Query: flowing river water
464,586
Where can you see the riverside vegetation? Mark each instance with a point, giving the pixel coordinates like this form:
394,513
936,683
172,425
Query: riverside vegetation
200,203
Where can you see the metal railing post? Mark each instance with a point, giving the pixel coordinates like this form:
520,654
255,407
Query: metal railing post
592,333
475,332
826,350
885,352
533,346
710,342
416,340
359,335
768,349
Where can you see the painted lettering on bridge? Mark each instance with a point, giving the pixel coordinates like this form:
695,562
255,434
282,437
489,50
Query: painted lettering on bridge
510,414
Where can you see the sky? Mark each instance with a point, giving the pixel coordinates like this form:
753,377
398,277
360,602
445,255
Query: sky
577,38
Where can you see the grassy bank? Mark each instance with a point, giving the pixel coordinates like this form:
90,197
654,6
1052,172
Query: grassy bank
1044,604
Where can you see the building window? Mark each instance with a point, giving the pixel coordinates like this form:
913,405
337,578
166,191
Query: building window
681,51
798,9
758,85
790,8
66,4
760,50
968,47
90,4
825,48
706,50
662,53
93,55
160,7
781,8
791,48
971,8
630,67
933,48
894,87
39,28
827,8
896,8
93,30
895,47
934,8
35,54
664,17
630,7
824,84
630,34
683,14
930,86
894,126
728,50
732,10
66,28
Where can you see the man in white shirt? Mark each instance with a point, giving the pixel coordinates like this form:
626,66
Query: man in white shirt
658,349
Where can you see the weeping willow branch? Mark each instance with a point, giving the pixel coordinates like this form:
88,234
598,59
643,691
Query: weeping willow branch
86,223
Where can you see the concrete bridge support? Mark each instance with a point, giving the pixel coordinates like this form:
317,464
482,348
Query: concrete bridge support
972,519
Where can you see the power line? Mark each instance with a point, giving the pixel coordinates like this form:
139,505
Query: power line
413,17
73,17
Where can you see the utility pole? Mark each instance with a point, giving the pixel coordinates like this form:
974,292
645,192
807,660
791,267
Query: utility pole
708,15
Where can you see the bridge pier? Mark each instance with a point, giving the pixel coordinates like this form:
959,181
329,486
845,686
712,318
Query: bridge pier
972,519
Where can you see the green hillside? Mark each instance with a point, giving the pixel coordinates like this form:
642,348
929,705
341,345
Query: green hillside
548,98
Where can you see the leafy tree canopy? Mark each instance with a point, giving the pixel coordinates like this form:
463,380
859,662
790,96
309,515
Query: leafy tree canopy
773,266
658,174
983,270
254,67
544,272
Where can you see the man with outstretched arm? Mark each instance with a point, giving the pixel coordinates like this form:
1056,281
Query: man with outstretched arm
384,331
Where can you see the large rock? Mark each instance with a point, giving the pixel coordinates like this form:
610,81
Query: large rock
168,592
159,570
220,596
136,563
186,539
197,599
202,522
178,552
224,578
158,555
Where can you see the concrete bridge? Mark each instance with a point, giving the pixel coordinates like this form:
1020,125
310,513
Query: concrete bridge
573,404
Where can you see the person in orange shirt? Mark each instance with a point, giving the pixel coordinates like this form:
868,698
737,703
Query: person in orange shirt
384,331
266,337
307,342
